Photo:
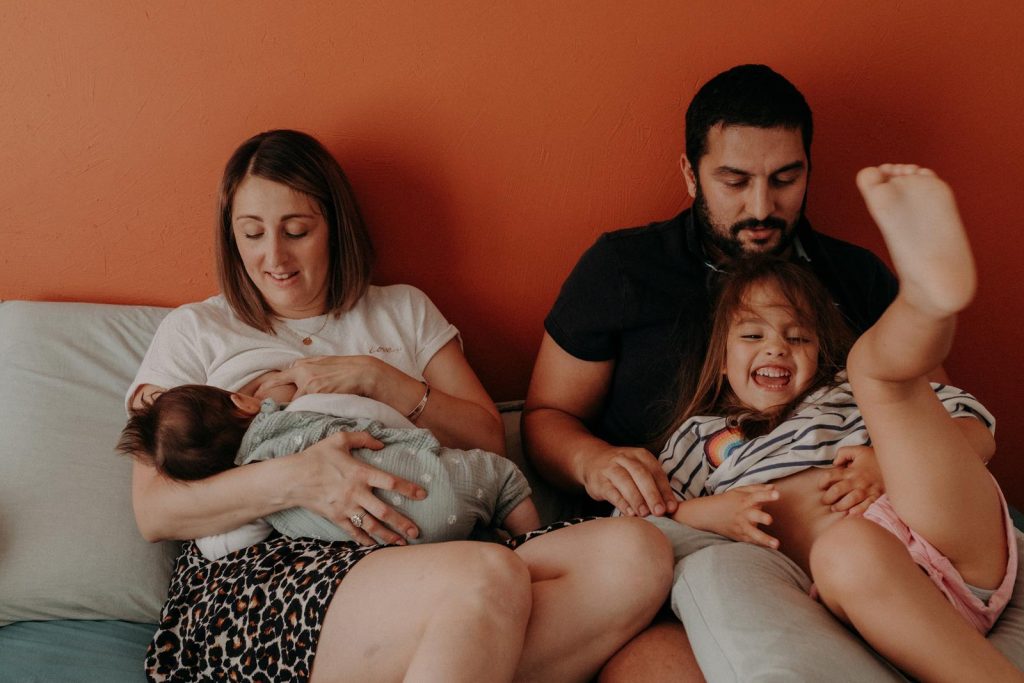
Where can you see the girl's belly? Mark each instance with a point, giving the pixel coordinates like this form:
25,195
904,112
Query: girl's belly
798,516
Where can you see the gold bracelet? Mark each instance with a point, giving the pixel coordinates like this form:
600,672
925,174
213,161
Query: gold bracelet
418,410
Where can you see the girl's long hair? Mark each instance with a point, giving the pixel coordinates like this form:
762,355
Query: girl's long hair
814,309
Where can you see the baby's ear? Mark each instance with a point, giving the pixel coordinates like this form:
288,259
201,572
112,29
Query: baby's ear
247,405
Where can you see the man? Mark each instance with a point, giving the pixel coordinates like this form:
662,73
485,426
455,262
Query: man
626,336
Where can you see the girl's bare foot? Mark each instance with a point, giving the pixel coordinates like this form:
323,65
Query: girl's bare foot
917,215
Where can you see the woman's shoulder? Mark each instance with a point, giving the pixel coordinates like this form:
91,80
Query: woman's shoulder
395,295
209,311
202,318
403,301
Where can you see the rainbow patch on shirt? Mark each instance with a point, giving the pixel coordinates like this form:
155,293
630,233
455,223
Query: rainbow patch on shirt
720,445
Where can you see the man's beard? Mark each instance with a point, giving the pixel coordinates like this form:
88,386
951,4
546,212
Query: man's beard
729,244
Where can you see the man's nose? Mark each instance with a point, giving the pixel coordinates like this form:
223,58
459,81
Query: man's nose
761,202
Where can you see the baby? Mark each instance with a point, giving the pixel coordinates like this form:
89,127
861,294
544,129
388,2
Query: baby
195,431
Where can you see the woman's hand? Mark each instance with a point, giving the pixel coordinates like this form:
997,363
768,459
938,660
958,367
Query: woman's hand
338,486
362,375
853,482
735,514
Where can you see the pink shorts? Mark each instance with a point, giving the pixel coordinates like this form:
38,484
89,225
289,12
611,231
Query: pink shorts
941,571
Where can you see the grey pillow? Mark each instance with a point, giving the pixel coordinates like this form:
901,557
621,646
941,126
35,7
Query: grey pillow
69,547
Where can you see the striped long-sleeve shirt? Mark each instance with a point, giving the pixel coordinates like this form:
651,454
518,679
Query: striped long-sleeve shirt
706,456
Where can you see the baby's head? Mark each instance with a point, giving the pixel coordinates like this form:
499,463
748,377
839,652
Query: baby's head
189,432
776,336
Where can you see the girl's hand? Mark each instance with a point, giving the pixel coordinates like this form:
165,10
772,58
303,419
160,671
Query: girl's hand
853,482
338,486
735,514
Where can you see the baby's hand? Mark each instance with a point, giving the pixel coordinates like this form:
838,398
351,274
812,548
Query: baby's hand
264,387
735,514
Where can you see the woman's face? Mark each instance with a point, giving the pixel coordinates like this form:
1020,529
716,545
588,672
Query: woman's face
282,239
770,357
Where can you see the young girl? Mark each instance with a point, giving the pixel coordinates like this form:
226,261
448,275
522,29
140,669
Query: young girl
780,411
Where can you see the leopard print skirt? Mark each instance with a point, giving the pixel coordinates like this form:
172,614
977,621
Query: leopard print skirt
255,614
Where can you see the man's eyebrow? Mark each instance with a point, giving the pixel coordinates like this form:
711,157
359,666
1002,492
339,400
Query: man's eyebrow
795,166
730,170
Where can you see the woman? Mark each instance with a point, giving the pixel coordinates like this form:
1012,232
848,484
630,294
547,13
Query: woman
294,266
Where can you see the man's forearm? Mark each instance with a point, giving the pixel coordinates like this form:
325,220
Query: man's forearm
558,445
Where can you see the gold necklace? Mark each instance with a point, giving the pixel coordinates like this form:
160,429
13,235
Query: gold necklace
308,339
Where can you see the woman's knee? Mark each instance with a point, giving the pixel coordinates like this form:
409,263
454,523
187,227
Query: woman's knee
638,557
488,576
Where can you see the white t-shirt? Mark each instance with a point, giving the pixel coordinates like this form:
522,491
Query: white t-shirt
205,343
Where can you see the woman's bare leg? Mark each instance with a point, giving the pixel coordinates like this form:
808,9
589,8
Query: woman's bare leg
442,612
936,483
866,577
595,586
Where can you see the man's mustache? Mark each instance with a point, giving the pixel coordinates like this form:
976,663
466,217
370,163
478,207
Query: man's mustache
771,222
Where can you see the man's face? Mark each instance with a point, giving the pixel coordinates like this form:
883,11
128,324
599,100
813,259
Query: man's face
749,189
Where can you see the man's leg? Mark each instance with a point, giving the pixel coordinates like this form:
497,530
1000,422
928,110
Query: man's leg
749,617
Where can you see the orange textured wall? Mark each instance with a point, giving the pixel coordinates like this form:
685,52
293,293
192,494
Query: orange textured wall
489,142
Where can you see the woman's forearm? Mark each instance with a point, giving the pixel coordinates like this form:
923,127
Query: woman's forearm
166,509
458,423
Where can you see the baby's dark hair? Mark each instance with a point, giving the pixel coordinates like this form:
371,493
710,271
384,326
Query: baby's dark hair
188,432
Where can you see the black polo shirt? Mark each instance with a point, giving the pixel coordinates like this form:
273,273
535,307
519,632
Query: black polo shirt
640,297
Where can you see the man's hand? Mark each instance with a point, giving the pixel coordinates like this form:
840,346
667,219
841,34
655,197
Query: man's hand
631,479
853,482
735,514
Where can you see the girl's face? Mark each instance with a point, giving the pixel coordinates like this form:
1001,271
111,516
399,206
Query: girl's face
282,239
770,357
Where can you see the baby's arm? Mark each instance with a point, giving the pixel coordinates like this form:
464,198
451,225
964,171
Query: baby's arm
522,518
735,514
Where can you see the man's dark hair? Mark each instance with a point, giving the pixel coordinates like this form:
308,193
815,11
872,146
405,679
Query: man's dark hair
747,95
188,432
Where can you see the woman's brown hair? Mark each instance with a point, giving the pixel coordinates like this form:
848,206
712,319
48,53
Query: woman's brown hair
814,309
299,161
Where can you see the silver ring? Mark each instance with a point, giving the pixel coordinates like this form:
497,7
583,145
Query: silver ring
357,519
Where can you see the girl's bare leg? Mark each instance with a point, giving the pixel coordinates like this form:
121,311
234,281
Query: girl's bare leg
935,481
595,586
867,578
442,612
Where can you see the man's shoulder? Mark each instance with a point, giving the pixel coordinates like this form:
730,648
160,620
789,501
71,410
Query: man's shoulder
645,246
672,229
